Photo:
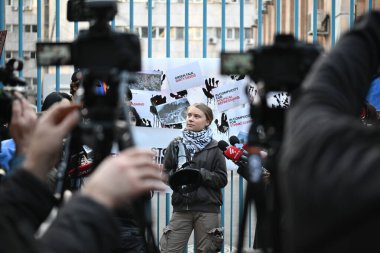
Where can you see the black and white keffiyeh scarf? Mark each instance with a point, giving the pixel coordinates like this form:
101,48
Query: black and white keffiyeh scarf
196,141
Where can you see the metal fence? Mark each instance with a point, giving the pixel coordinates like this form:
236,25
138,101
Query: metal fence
162,211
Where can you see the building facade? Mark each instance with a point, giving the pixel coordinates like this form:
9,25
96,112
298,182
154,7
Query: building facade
177,26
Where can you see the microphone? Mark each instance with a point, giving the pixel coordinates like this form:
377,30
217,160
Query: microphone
232,153
83,170
235,140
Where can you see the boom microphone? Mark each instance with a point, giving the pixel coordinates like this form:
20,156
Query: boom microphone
232,153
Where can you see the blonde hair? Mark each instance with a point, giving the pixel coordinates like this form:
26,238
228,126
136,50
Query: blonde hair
205,109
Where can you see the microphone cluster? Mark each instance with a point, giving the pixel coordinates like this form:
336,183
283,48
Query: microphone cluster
232,152
250,165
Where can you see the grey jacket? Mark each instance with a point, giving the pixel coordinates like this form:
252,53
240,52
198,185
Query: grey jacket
212,165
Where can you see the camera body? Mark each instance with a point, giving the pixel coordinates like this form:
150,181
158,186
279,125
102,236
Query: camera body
278,69
103,56
98,49
281,66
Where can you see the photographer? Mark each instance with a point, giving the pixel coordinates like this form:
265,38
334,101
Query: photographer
200,209
86,224
330,161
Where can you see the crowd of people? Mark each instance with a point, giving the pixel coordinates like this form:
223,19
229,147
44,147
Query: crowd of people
327,176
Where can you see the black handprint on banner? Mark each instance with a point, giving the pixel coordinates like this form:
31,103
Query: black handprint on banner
146,122
252,92
173,126
282,99
237,77
180,94
223,127
211,83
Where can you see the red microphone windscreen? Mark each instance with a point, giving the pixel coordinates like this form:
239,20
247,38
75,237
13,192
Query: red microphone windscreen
233,153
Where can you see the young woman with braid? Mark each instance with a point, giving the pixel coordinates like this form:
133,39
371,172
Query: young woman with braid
198,210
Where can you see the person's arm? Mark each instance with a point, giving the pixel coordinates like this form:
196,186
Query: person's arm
216,177
87,221
84,225
24,197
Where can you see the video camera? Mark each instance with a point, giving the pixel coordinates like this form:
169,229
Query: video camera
278,70
103,56
282,66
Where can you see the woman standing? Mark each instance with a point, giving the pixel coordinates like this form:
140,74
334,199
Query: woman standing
198,210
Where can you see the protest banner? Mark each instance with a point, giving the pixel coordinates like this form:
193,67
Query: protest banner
231,94
184,77
174,112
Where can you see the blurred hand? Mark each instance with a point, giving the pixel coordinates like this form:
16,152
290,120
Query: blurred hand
120,179
23,122
46,140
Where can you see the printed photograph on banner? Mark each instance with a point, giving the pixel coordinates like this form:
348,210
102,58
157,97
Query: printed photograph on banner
278,99
184,77
253,95
160,65
147,80
174,112
239,119
231,94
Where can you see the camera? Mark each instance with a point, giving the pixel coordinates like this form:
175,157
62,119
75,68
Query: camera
106,60
98,48
282,66
103,56
278,70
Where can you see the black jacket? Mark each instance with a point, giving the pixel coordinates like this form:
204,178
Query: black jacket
81,226
208,197
330,178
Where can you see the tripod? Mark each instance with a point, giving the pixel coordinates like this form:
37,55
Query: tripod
265,132
105,124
